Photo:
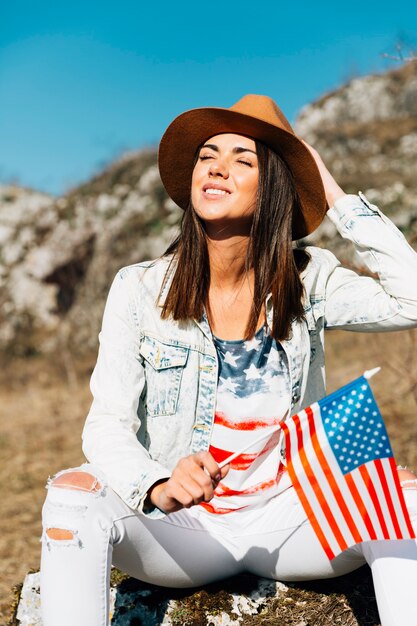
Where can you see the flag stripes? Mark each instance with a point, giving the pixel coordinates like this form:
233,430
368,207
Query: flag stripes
341,465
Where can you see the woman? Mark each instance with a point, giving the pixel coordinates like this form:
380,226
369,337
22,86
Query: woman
208,347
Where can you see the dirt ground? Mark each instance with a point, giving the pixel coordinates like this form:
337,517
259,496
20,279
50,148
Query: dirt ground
43,404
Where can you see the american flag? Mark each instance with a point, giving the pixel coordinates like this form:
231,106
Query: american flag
341,464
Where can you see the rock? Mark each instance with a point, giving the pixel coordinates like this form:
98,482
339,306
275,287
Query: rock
240,601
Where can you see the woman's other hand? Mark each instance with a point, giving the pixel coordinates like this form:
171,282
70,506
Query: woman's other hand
332,189
193,480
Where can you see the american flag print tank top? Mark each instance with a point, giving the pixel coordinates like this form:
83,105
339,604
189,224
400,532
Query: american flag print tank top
253,395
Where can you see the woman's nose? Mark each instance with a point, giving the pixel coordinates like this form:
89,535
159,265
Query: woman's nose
218,168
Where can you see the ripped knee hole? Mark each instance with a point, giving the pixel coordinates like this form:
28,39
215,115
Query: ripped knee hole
77,480
59,534
408,480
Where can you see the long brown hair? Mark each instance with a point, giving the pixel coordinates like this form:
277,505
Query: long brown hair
270,252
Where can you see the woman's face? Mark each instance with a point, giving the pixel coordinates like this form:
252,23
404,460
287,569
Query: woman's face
225,179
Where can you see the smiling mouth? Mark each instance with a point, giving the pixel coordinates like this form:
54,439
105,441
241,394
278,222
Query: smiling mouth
216,192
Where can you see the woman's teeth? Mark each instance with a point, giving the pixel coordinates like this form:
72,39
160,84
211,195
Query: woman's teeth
218,192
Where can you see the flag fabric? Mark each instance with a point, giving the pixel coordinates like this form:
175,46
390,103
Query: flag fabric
341,464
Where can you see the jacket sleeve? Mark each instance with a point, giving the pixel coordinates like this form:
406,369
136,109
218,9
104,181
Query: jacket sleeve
109,435
388,302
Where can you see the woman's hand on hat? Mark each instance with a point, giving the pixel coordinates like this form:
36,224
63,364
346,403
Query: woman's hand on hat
332,189
192,481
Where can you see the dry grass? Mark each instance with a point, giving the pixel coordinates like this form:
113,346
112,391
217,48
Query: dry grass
43,406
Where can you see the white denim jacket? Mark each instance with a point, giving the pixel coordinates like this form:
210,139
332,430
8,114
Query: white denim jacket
154,384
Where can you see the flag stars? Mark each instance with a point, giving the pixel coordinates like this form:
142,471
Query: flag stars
230,359
252,344
252,372
228,384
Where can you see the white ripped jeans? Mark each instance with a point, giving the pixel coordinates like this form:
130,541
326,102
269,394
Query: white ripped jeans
191,548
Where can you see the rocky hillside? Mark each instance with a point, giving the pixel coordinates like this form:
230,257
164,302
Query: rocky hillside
366,133
58,256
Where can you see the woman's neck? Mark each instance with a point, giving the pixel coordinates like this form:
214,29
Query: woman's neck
227,260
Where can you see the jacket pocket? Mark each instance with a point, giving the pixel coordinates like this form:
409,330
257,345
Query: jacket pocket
164,364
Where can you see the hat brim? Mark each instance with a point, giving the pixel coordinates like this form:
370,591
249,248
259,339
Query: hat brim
189,130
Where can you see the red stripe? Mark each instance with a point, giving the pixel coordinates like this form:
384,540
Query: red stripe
220,419
401,498
374,497
244,461
316,487
217,510
387,494
362,510
331,479
304,501
224,491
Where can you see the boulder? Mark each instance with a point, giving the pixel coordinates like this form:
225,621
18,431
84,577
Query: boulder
244,600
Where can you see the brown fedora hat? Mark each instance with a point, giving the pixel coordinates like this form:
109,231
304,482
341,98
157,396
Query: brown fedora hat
257,117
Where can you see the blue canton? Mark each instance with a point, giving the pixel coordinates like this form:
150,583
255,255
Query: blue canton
354,426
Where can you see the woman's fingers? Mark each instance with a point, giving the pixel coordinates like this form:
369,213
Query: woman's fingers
193,480
198,475
332,190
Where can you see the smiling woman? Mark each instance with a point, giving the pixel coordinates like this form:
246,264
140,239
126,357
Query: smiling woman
203,353
225,181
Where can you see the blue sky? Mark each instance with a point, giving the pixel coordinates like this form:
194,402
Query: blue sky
82,82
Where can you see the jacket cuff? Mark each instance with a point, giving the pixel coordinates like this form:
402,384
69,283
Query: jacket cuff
138,497
352,205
